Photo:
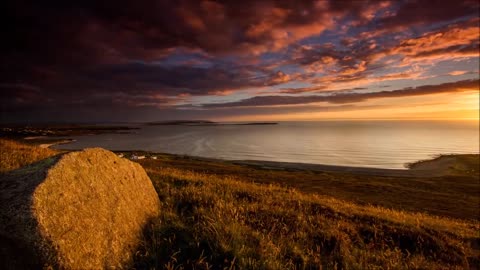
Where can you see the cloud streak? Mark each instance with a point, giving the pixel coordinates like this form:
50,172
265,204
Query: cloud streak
344,98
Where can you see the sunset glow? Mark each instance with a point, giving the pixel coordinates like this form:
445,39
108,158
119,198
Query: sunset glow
449,107
242,61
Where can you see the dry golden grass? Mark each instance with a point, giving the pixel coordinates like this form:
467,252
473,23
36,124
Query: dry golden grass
224,218
219,222
83,210
14,155
454,195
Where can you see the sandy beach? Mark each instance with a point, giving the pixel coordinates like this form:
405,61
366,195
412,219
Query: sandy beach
434,167
48,145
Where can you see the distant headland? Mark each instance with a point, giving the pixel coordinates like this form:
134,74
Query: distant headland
204,123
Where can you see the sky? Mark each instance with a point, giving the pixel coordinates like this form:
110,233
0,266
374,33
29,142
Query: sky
102,61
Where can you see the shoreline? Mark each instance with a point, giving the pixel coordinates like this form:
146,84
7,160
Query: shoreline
436,166
48,145
445,185
440,165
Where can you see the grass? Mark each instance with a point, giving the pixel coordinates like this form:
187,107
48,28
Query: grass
454,195
459,165
221,222
14,155
216,215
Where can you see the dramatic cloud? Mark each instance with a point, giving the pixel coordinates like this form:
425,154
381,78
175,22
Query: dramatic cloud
360,59
412,13
460,86
123,56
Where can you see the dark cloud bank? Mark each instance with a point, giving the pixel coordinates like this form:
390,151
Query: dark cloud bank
343,98
75,59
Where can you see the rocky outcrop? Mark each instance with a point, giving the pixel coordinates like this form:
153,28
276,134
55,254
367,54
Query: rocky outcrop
81,210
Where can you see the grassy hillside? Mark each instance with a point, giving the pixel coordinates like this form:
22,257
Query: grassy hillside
14,155
216,215
458,165
225,223
454,194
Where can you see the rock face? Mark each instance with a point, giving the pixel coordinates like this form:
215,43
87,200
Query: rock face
83,210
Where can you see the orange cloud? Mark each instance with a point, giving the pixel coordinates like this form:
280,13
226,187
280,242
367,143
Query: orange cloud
302,90
352,97
454,42
457,72
440,106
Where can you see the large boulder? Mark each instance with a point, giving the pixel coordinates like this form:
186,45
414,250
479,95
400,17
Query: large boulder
81,210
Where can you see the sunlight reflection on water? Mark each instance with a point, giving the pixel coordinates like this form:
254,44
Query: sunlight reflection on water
383,144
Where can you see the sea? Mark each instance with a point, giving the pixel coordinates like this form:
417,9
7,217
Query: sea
379,144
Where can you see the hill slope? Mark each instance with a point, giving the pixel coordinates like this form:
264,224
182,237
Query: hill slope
215,215
221,221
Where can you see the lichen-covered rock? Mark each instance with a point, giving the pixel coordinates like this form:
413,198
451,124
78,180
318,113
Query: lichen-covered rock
83,210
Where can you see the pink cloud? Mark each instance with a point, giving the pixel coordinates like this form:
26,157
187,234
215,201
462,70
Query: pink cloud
457,72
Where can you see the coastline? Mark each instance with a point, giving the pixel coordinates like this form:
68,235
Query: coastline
387,162
48,145
435,167
446,185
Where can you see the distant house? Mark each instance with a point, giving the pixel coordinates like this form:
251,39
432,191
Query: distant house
120,155
135,157
154,157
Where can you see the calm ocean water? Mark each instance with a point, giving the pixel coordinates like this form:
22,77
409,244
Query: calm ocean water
350,143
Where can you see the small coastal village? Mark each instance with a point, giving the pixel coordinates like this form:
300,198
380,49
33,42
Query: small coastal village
137,157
